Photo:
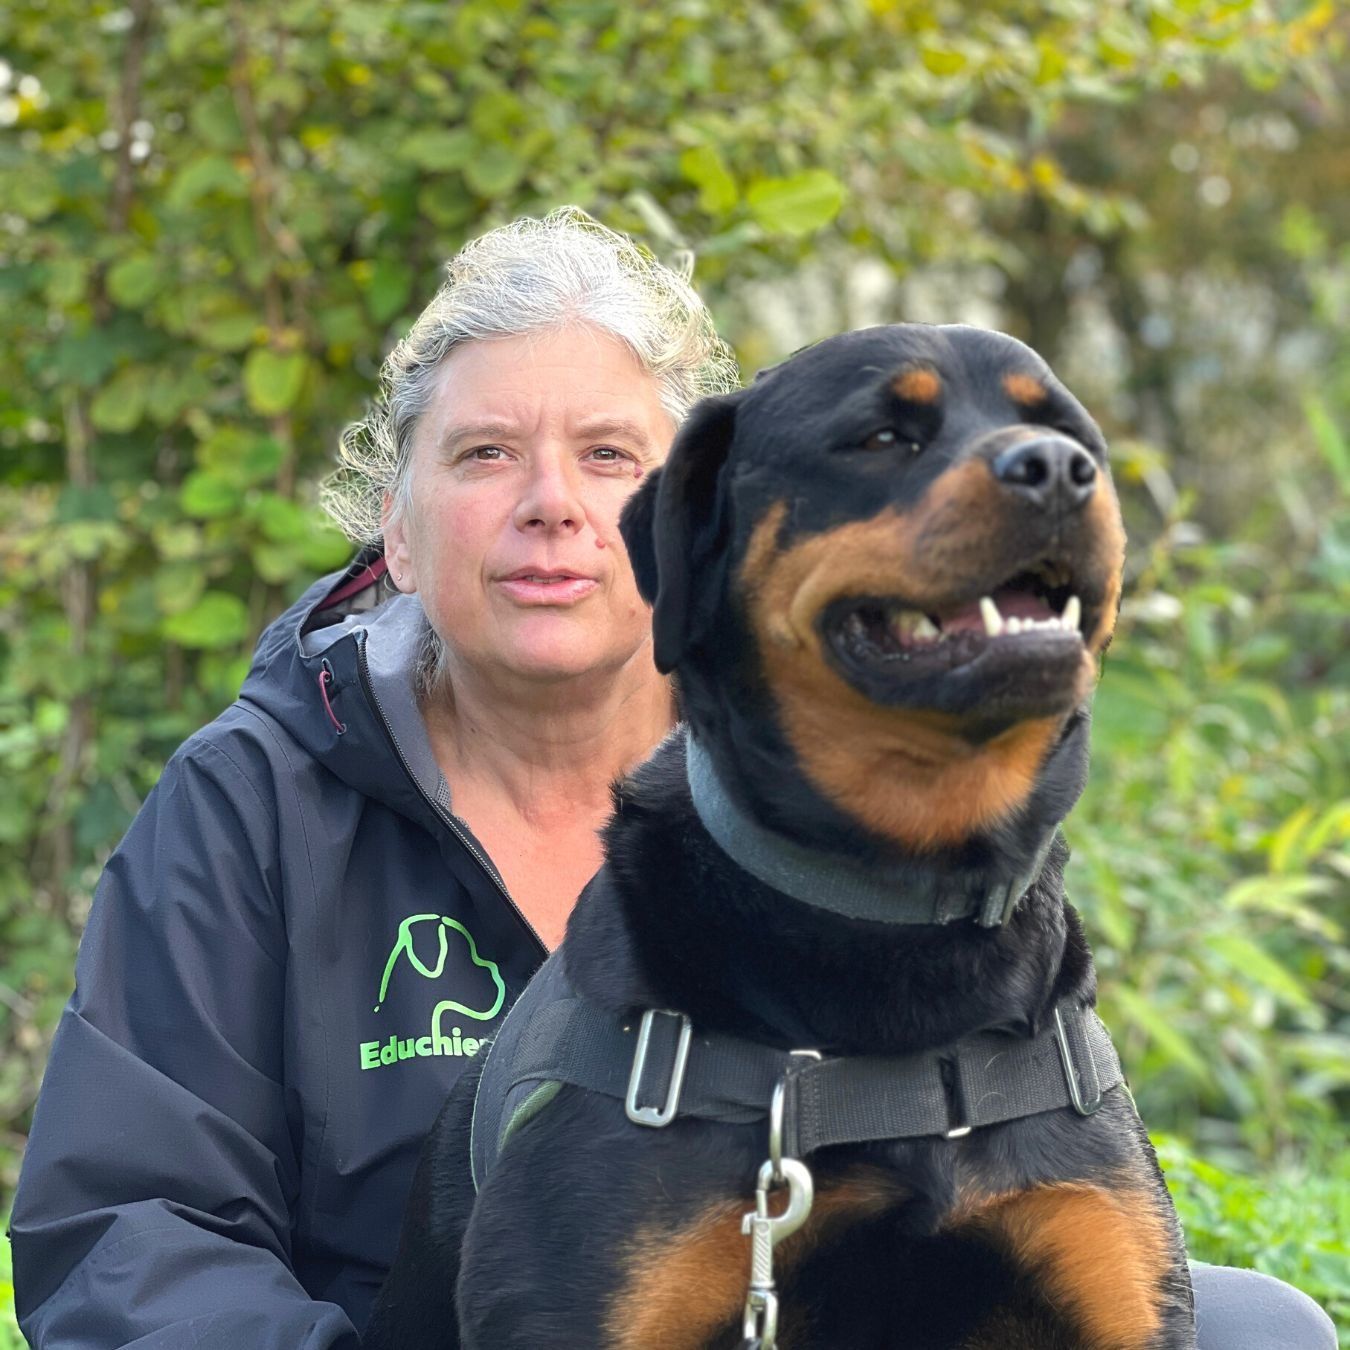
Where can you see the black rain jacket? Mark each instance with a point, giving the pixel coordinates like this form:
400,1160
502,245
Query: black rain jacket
291,956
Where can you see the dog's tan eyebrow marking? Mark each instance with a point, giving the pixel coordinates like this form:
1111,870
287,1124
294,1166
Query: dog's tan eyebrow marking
1025,389
919,384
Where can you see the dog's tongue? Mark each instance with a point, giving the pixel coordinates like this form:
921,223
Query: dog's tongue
1012,604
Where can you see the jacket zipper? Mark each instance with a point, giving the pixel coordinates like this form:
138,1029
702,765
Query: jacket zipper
453,822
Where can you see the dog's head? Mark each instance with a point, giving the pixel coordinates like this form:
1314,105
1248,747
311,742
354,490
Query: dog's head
885,574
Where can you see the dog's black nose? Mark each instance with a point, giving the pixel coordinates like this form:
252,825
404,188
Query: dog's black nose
1051,471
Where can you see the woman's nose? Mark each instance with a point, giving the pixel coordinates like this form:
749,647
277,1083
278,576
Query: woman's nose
552,497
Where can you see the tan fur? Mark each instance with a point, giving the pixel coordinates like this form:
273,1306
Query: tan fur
1024,389
919,385
1107,532
1099,1256
683,1287
907,775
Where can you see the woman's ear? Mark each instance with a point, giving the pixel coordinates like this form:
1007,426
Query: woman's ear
675,528
396,552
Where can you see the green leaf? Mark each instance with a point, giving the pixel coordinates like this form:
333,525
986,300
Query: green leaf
207,496
274,563
389,288
437,150
941,59
34,193
498,113
1162,1029
446,204
279,518
240,456
204,175
214,119
135,280
494,171
798,205
120,404
85,503
1331,440
342,324
1254,964
324,548
178,586
273,380
704,167
216,620
229,332
66,281
172,391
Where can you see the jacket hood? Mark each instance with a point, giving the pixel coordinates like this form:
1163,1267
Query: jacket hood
338,671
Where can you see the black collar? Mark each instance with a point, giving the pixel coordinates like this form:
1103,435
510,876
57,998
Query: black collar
895,893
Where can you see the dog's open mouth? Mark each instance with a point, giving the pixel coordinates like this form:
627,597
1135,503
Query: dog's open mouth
1029,628
1037,603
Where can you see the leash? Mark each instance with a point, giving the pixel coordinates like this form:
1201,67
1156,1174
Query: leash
662,1071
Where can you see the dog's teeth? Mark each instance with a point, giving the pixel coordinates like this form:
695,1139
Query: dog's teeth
901,622
1012,626
854,625
925,630
1072,615
993,620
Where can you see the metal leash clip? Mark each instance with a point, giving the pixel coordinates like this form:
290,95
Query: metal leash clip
766,1231
759,1328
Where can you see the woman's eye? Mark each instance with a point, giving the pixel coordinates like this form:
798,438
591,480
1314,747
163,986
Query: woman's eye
607,454
486,452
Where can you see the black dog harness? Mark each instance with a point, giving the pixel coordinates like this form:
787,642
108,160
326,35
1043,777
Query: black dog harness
661,1068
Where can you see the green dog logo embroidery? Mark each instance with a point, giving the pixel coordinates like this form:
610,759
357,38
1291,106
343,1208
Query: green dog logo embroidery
376,1054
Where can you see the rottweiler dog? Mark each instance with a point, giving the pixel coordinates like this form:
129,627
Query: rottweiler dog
884,575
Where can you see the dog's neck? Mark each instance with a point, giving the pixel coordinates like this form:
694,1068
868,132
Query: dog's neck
897,892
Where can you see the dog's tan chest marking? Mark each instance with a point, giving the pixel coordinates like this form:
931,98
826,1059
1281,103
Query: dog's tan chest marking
683,1287
1100,1256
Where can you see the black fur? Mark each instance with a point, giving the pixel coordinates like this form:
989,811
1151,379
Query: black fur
672,922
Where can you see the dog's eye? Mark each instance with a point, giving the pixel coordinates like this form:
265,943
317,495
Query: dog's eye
889,439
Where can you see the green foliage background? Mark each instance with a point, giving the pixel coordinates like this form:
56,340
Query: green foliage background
215,217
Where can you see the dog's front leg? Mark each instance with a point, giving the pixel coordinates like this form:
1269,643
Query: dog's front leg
1104,1267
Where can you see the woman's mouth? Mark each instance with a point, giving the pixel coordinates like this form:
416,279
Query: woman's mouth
529,586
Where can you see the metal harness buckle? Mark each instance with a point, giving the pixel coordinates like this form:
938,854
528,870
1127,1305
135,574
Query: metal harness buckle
656,1116
1075,1078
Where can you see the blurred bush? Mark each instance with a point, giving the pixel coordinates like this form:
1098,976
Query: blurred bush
1294,1225
215,217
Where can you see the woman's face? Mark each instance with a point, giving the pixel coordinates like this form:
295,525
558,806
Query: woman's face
520,468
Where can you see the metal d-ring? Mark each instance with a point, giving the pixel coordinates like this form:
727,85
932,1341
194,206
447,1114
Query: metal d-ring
776,1107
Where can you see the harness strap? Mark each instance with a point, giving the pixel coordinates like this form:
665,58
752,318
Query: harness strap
980,1080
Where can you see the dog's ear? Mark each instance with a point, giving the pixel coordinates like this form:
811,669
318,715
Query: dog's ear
675,528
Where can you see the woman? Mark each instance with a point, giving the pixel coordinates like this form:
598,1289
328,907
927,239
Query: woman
306,933
339,886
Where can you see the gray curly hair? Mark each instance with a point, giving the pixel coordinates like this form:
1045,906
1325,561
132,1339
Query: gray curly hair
527,277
